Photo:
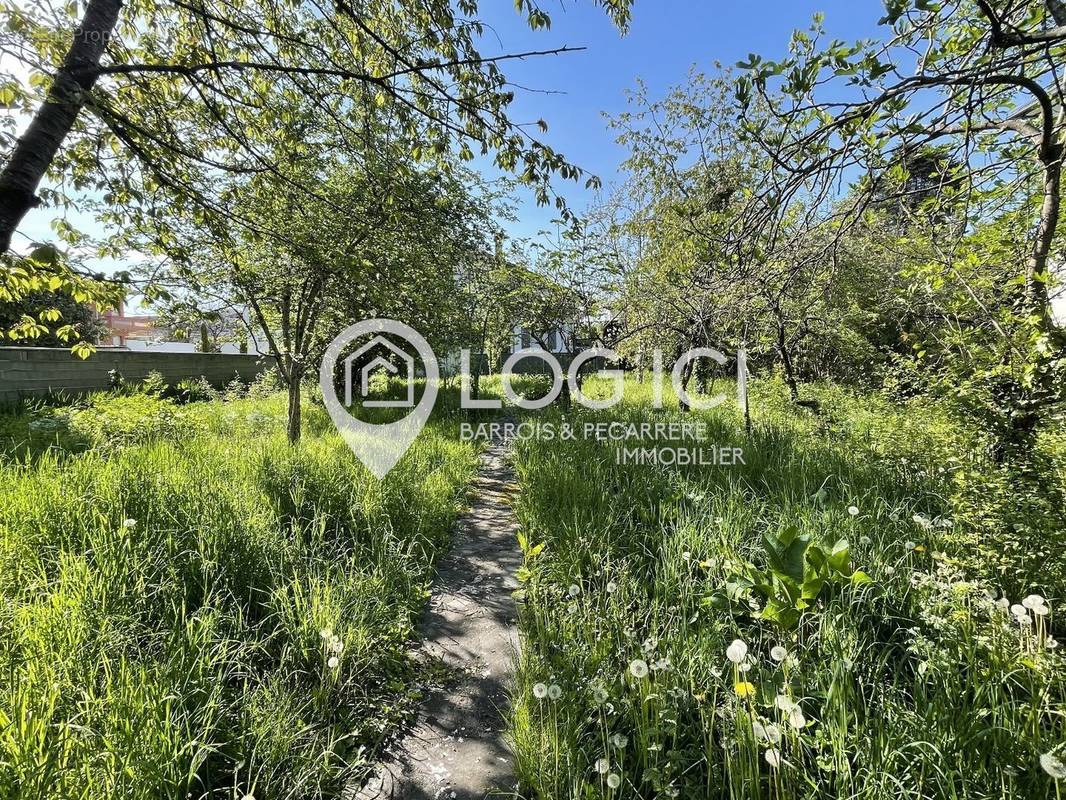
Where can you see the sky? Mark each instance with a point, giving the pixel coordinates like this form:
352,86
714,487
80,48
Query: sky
666,38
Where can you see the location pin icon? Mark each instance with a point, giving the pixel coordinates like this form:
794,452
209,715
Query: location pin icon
379,447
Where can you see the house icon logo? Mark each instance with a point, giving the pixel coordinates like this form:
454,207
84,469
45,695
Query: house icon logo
384,363
378,445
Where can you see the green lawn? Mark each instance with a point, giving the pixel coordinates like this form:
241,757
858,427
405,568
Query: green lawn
193,608
906,680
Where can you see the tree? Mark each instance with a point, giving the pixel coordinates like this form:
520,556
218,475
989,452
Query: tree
983,88
30,317
148,96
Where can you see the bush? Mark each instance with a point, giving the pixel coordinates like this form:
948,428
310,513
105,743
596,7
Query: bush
110,422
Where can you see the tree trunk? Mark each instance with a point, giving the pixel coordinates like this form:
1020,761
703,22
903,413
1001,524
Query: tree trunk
686,376
1036,293
37,147
786,364
293,428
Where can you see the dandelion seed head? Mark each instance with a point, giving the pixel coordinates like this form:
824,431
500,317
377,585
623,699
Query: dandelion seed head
599,694
773,757
333,662
638,668
778,653
1032,601
614,781
853,511
555,691
796,719
574,590
603,766
540,691
619,740
1053,766
129,523
612,587
736,651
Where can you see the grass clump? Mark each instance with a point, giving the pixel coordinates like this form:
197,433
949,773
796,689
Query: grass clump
200,609
684,635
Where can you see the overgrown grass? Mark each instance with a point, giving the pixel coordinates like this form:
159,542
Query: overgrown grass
166,590
916,684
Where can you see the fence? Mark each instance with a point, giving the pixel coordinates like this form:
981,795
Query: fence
30,371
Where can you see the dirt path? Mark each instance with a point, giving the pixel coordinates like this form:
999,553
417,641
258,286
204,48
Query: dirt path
457,749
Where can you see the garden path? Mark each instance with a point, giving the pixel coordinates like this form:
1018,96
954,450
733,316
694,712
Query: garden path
457,748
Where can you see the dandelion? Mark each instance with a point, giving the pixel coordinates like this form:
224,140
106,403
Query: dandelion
736,651
661,664
555,692
853,510
686,555
909,545
744,689
866,541
613,780
612,587
333,662
540,691
1019,610
758,729
1003,603
574,590
773,734
650,644
773,757
890,570
796,719
1053,766
1032,601
599,694
603,766
638,668
248,796
922,522
129,524
778,653
785,703
326,633
1041,611
1051,643
619,740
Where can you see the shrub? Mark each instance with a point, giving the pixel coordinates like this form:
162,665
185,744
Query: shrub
110,422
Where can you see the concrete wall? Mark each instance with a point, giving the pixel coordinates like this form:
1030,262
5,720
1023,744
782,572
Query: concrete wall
28,371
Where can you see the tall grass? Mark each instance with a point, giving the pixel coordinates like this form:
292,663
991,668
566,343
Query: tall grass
207,611
916,684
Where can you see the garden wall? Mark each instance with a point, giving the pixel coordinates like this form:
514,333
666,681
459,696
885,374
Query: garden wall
27,371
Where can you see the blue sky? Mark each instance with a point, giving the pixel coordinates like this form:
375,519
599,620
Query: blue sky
666,39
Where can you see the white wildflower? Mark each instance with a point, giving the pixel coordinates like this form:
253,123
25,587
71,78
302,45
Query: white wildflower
638,667
333,662
540,691
778,653
773,757
1053,766
736,651
603,766
853,510
555,692
614,781
619,740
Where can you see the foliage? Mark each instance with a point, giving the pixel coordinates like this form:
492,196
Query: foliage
885,689
799,575
165,603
